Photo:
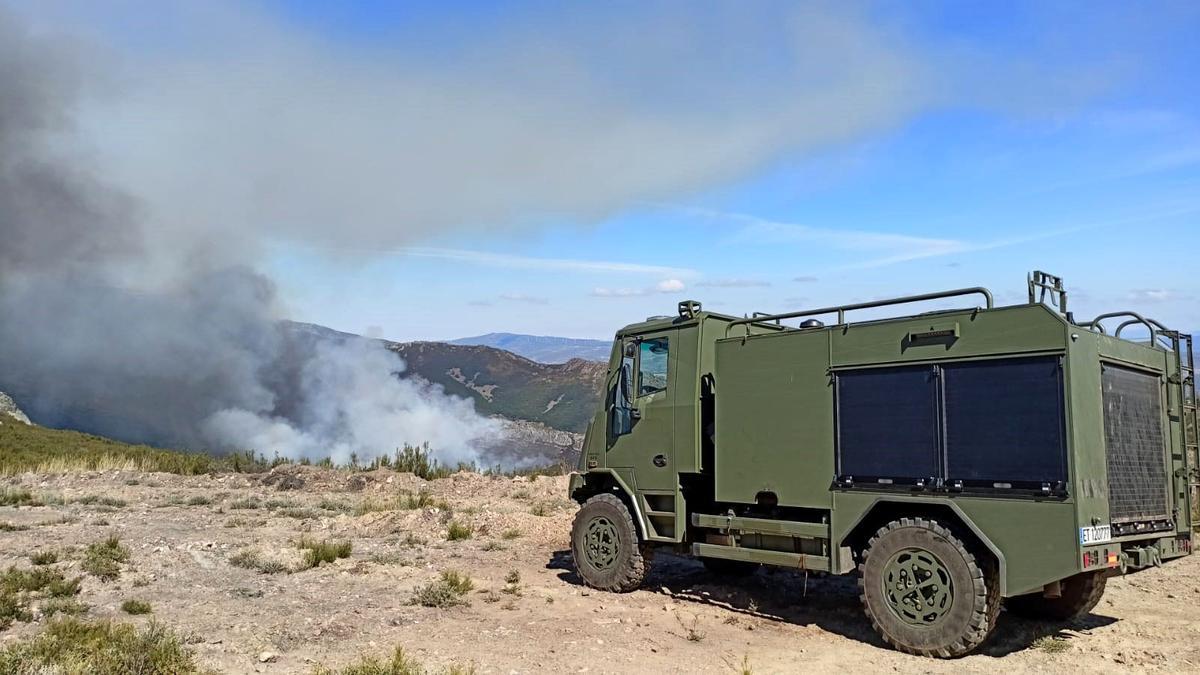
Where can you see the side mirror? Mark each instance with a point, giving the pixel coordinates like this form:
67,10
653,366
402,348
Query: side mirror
626,383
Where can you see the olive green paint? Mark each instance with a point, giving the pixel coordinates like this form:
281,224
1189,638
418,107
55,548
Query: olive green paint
775,439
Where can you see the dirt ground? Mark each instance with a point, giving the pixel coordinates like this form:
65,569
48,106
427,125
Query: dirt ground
684,619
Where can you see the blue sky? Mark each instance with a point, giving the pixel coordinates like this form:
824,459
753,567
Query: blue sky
917,147
1102,188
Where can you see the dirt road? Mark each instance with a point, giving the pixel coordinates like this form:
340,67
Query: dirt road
182,532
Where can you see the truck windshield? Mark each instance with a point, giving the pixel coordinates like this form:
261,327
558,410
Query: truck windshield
652,366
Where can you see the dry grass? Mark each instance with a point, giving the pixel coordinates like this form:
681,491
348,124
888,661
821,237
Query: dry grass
71,646
324,551
446,591
251,559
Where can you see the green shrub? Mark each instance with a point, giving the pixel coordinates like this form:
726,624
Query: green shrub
44,558
135,607
103,559
74,646
446,591
511,533
459,531
324,551
252,560
199,500
6,526
399,664
19,587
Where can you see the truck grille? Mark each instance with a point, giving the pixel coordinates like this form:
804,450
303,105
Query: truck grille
1133,435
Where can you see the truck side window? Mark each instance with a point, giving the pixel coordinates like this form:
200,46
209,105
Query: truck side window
652,367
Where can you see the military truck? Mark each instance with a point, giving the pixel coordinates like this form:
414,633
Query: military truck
957,460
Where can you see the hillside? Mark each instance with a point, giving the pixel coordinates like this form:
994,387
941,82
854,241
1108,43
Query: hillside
563,396
542,348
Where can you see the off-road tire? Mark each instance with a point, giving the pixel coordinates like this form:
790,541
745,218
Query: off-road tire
1080,595
730,569
625,560
948,630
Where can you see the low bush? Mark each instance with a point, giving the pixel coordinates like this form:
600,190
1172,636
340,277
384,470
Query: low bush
74,646
458,531
135,607
103,559
324,551
446,591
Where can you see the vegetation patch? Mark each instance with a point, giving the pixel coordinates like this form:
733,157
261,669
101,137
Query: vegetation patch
446,591
44,558
6,526
199,500
253,560
459,531
74,646
246,503
399,664
324,551
18,588
91,500
512,533
103,559
135,607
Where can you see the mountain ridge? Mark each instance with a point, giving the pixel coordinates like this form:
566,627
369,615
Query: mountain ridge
542,348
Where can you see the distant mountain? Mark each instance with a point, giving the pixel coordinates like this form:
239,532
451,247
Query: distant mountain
560,395
541,348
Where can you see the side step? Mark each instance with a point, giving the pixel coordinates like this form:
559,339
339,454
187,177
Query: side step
763,540
758,555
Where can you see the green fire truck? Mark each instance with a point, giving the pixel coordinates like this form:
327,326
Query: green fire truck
957,460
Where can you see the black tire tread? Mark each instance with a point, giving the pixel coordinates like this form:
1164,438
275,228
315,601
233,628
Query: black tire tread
634,567
985,584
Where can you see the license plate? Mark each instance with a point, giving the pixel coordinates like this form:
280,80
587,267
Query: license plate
1096,534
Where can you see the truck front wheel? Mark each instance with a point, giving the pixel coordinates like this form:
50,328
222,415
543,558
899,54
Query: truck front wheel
924,590
604,542
1080,595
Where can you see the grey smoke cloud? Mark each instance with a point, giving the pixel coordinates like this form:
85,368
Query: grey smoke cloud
137,189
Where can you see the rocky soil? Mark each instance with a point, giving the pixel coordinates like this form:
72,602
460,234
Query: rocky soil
183,531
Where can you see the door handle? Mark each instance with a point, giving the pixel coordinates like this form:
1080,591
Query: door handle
660,461
635,414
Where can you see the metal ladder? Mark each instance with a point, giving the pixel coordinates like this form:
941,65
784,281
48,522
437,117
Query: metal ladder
1187,400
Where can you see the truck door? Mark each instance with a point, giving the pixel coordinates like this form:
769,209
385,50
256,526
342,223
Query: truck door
641,413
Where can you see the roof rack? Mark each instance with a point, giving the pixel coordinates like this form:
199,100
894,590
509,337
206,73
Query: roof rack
841,310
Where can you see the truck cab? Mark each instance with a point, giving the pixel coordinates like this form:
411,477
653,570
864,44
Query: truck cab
956,460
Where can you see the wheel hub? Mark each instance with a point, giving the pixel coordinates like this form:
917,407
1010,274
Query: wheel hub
601,543
917,587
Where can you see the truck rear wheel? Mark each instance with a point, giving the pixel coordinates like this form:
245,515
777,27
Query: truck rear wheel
1080,595
604,542
924,590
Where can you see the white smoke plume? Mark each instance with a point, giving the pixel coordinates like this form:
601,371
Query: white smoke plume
140,180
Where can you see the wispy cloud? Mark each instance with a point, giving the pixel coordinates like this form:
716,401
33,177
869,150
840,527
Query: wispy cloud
805,279
521,297
1152,295
535,263
664,286
734,283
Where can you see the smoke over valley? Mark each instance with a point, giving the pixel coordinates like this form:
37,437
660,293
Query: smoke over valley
138,193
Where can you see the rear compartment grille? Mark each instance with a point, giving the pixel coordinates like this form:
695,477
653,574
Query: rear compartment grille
1133,435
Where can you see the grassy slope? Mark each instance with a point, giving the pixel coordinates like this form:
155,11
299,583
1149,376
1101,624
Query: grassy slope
524,388
34,448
